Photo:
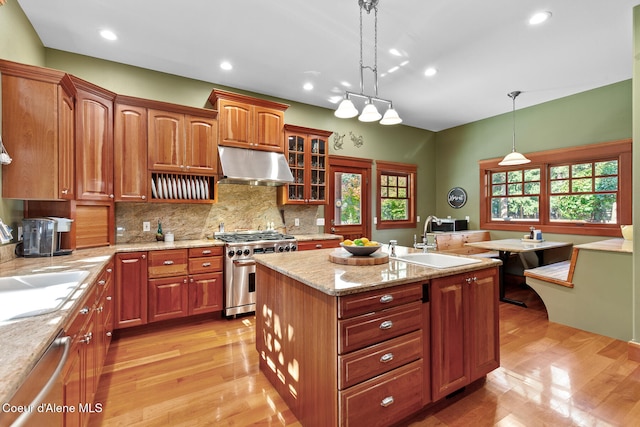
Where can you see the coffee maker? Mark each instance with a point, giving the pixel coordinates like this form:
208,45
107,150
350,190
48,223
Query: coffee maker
41,236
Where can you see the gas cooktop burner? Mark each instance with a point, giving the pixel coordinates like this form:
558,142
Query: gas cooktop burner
254,236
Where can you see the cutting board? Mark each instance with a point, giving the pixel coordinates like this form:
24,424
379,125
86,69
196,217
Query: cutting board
345,258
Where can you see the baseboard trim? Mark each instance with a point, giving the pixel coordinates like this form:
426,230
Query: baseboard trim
633,351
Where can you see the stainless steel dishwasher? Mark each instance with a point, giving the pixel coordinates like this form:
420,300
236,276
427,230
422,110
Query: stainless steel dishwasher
35,401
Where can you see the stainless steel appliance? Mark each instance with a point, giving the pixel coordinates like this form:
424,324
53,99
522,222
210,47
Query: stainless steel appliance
240,266
41,391
449,224
42,236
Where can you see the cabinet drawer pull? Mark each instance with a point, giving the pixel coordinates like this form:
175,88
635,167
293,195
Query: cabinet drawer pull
168,262
385,299
109,298
387,324
319,246
387,401
386,358
206,264
102,282
87,338
206,252
84,310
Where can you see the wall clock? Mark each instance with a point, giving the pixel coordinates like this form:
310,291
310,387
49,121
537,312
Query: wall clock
457,197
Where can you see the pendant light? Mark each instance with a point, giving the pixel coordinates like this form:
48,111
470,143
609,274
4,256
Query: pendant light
370,113
514,158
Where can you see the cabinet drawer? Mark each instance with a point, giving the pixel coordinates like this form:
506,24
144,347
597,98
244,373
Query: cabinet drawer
383,400
318,244
367,329
380,358
208,251
353,305
172,262
207,264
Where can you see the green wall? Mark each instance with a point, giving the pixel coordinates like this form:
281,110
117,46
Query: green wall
599,115
636,176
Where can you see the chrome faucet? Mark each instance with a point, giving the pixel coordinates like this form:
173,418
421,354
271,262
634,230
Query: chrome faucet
425,245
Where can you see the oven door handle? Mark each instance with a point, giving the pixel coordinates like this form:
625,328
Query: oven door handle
244,262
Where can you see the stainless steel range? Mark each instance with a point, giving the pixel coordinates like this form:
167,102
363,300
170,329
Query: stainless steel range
240,266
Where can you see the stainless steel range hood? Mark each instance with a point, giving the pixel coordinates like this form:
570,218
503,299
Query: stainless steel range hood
253,167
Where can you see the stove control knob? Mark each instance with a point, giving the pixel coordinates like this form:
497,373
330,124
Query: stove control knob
239,252
231,253
294,248
246,252
280,249
286,248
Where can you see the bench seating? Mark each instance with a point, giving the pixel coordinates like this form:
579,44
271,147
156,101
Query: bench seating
559,273
455,243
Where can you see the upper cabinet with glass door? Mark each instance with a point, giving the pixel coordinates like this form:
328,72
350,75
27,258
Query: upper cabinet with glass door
307,152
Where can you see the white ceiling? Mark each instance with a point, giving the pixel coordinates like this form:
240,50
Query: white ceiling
482,49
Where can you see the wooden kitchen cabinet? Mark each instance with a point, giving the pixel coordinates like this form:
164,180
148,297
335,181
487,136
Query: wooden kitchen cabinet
307,153
464,329
94,141
38,132
104,315
205,279
130,289
182,143
168,298
247,122
130,152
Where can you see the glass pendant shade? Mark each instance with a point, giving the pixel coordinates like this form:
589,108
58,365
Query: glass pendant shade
369,113
391,117
346,110
514,158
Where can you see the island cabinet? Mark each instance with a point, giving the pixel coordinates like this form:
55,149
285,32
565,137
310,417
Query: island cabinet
38,133
342,361
307,153
465,343
248,122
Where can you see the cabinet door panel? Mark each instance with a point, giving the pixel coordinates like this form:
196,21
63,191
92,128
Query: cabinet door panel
484,327
205,293
166,137
94,147
268,128
450,368
235,123
201,145
131,289
130,153
168,298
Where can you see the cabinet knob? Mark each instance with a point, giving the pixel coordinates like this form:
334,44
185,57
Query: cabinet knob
111,196
87,338
109,298
386,358
387,401
102,282
387,324
65,191
386,299
84,310
143,256
109,333
109,270
143,197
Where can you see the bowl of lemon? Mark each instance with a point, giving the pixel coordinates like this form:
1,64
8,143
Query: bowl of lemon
361,247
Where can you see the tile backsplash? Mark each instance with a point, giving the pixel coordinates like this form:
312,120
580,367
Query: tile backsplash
239,207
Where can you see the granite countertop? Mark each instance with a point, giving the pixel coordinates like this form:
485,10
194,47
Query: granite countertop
23,341
609,245
314,269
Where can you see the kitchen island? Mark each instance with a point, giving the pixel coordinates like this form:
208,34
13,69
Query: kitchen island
371,345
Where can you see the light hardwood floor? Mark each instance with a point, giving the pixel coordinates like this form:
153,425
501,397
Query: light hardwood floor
206,373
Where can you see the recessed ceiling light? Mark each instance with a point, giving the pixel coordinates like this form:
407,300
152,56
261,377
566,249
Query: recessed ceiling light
539,18
108,34
430,72
307,86
226,65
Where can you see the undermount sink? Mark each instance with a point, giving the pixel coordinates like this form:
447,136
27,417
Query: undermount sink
436,260
36,294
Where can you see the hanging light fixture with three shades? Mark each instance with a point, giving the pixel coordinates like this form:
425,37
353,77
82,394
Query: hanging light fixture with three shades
347,109
514,158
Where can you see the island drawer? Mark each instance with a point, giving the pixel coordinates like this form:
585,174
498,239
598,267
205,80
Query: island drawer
366,302
371,328
379,358
167,263
383,400
208,251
